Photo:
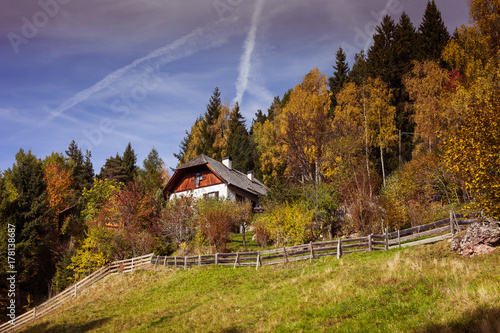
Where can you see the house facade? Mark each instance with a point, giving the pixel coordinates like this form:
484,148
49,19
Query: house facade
205,177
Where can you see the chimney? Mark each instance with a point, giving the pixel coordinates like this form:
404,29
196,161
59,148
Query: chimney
228,162
250,175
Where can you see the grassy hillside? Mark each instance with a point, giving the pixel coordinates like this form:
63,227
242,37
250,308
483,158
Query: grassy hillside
423,289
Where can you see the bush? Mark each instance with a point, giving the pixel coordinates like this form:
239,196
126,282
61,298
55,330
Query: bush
216,218
285,224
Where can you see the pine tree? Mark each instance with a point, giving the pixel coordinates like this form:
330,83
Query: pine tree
212,114
339,78
113,169
359,71
88,179
36,239
151,174
81,171
433,34
381,53
129,163
238,141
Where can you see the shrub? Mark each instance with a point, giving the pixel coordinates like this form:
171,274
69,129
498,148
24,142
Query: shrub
286,224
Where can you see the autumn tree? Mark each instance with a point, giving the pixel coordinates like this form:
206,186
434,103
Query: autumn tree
472,145
96,197
380,116
303,129
216,217
175,221
59,191
428,86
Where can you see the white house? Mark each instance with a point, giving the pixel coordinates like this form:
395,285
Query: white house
204,176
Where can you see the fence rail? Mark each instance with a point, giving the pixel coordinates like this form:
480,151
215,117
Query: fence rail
440,230
121,266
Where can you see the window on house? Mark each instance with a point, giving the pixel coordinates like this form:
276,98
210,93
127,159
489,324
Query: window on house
239,198
198,177
211,194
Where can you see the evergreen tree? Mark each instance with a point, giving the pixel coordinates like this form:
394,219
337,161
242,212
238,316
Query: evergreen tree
381,53
81,171
260,118
152,172
183,149
212,114
359,71
129,163
113,169
405,47
89,170
36,239
238,141
433,34
339,78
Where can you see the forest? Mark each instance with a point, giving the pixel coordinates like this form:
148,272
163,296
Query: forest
408,131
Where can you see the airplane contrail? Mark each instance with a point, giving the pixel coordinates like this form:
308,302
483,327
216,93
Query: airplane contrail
199,39
249,46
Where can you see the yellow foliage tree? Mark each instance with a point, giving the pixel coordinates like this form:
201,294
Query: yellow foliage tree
473,146
427,85
304,129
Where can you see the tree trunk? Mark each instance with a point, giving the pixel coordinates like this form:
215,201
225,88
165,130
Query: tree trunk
366,142
243,233
382,160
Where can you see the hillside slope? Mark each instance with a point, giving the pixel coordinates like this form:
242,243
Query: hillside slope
421,289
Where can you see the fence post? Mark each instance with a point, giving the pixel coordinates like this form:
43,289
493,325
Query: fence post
339,249
312,251
285,254
165,261
34,313
258,260
387,239
399,239
175,262
370,246
199,259
75,289
452,227
132,265
185,262
216,259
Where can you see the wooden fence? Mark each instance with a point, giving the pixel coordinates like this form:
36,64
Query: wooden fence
116,267
439,230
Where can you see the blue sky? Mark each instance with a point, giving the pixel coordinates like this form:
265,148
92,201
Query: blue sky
108,72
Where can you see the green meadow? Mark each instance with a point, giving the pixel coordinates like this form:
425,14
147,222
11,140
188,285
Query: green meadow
420,289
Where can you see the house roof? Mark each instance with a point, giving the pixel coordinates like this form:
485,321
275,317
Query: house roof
229,176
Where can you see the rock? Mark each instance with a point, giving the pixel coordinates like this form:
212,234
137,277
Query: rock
480,238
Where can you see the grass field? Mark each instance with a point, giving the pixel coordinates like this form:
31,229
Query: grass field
421,289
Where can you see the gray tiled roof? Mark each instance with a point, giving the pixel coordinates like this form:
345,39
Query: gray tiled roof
231,176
